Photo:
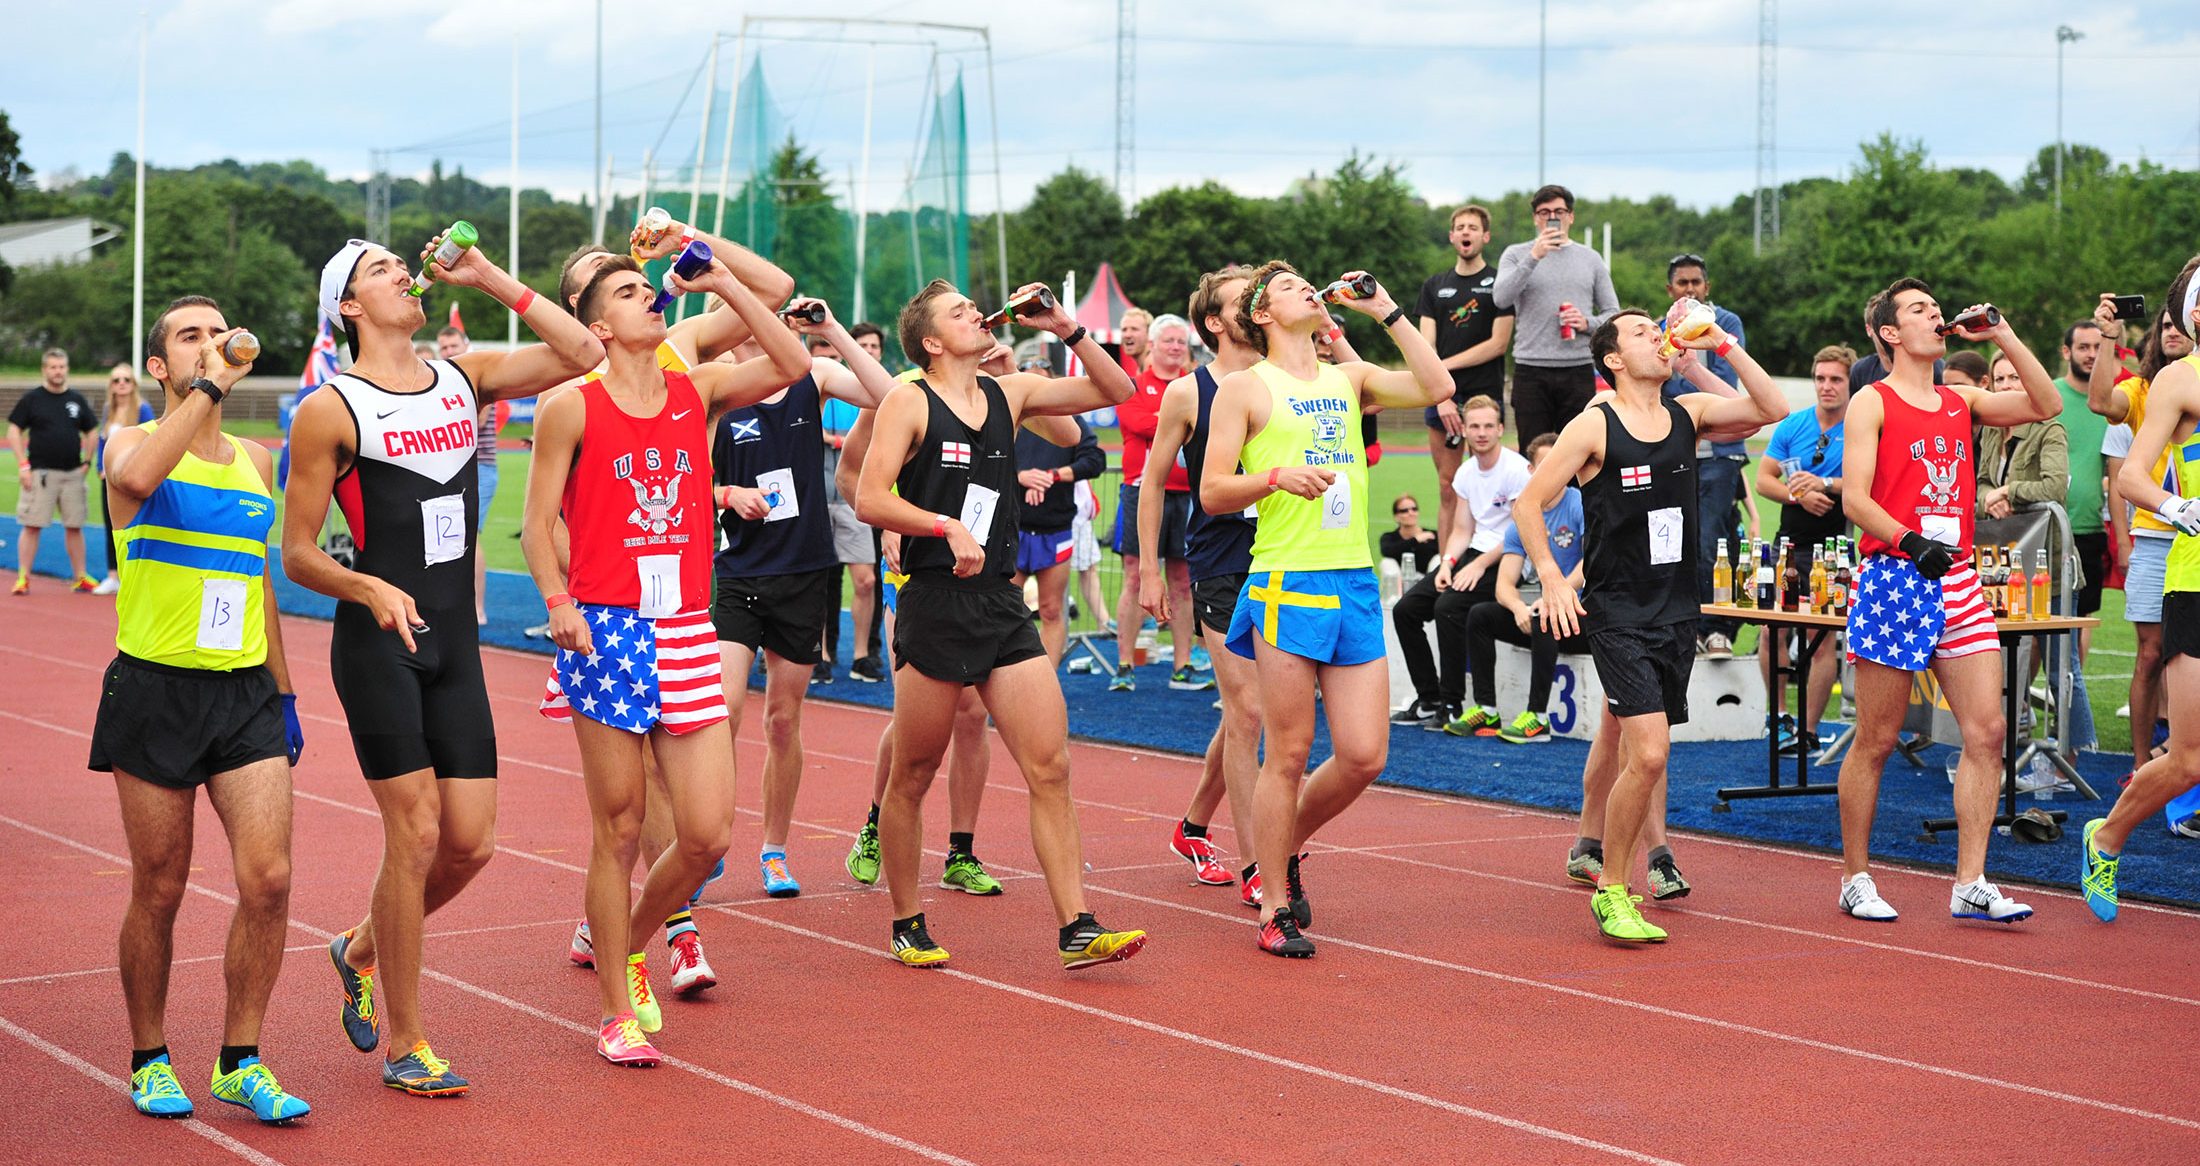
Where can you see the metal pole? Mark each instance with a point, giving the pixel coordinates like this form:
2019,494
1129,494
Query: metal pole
725,149
610,164
2064,34
702,150
1000,200
599,122
511,262
1542,73
863,174
137,229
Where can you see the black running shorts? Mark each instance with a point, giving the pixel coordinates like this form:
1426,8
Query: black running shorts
2181,624
959,634
409,711
178,727
782,614
1645,670
1214,600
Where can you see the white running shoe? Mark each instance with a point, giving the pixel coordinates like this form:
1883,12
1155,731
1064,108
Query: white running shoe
1980,899
1860,898
581,952
690,971
108,586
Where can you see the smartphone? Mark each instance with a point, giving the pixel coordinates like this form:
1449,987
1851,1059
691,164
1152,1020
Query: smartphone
2130,307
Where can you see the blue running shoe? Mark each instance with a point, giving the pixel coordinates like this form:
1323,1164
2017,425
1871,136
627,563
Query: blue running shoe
358,1015
716,873
423,1074
778,883
156,1092
1201,661
254,1088
2097,874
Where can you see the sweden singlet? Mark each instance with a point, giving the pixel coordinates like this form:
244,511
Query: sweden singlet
1310,423
1924,477
1639,517
638,505
776,447
1214,544
410,495
967,474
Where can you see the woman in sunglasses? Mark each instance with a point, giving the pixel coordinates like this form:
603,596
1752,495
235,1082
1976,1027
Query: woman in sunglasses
125,408
1801,470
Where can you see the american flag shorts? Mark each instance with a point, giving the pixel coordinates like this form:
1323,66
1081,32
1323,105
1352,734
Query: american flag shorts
1903,620
640,673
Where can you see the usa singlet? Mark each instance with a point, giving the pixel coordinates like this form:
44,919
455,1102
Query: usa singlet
1925,477
637,504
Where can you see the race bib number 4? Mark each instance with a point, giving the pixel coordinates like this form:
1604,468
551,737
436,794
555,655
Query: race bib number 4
443,528
778,490
659,576
221,614
1666,541
977,512
1337,504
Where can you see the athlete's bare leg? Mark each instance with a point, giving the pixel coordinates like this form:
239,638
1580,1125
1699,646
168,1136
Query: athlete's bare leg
1356,702
2164,778
1129,617
465,840
157,822
863,584
1644,743
924,719
785,685
1232,768
1026,703
969,763
699,774
1053,628
1882,695
254,805
436,835
1972,686
1179,577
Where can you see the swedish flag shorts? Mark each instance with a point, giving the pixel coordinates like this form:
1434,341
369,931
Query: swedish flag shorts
1329,617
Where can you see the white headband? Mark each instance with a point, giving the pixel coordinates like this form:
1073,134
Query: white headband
2192,297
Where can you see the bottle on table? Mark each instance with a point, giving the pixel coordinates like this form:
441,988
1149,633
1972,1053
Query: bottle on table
1791,577
2020,590
1821,580
1843,579
2042,605
1767,599
1722,577
1745,575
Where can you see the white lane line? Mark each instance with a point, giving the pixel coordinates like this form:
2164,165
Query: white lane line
847,1123
121,1086
294,949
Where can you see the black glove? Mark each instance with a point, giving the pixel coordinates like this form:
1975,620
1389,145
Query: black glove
1933,558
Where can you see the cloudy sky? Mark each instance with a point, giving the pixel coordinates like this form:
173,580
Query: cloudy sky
1643,98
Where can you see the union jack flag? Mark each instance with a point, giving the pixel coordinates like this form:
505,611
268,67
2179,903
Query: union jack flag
321,366
1634,477
954,453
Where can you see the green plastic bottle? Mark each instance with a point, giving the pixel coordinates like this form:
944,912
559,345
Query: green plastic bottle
459,239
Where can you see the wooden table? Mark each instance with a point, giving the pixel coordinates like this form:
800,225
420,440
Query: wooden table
1814,630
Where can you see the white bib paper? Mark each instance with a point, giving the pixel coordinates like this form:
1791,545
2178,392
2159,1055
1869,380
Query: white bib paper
778,489
1337,504
660,579
1945,529
221,614
977,511
443,528
1666,530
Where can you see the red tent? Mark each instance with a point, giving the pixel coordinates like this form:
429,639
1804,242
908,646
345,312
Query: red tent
1101,308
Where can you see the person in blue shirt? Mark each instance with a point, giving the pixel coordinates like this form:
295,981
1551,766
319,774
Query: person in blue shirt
1801,470
1719,464
1513,620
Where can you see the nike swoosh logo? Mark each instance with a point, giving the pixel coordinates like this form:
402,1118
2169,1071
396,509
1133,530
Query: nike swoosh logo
682,413
1955,412
388,415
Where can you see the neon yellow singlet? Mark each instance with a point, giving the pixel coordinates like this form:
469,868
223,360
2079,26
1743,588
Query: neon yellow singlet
2135,392
1310,423
193,560
2183,572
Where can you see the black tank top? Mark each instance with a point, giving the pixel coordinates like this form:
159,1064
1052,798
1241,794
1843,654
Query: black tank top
1214,544
948,473
775,447
1640,515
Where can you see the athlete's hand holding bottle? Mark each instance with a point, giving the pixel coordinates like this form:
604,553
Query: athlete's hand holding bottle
215,367
1055,319
1378,306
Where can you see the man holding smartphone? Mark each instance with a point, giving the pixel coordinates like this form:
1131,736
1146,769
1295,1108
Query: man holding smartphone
1560,293
1459,315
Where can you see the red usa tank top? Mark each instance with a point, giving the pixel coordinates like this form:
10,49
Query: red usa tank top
1925,475
638,504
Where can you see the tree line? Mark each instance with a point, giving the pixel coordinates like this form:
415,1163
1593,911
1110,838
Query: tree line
254,235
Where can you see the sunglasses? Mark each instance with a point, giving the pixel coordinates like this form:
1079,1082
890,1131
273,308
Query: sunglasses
1818,455
120,381
1405,510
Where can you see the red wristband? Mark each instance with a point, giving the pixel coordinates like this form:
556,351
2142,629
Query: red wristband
939,526
553,601
1272,474
1725,346
525,301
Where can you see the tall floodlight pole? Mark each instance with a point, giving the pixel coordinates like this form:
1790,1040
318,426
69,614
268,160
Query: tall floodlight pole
137,229
863,174
1542,78
2064,34
1126,81
1000,201
511,259
702,153
599,121
1768,104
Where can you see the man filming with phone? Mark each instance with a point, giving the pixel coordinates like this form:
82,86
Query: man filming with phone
1559,292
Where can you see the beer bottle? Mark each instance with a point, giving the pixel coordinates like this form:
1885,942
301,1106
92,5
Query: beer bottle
1722,577
1843,579
2042,605
241,349
1820,579
1791,577
1767,599
2020,590
1038,301
1745,575
457,241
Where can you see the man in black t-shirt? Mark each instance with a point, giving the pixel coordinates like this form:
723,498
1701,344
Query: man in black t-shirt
1460,317
50,430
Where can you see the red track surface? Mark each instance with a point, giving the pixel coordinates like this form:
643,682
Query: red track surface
1461,1009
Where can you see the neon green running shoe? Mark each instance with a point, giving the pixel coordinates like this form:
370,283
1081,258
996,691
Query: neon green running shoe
156,1092
1474,722
2097,874
863,856
1619,918
966,874
253,1087
647,1013
1527,729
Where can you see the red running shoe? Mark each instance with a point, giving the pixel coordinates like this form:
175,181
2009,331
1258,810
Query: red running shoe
1280,936
1207,869
1250,891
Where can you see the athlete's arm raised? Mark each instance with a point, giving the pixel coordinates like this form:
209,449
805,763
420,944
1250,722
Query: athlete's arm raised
1172,427
714,333
1104,384
2100,388
138,462
1579,446
2173,401
730,386
858,378
567,350
320,449
1423,382
1759,405
1057,429
558,427
899,428
2038,402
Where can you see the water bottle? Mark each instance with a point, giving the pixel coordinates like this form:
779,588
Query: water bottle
693,261
2044,778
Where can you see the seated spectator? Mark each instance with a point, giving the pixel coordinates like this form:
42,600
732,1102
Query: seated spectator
1412,546
1517,621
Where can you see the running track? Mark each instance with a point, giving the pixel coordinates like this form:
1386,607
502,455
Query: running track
1461,1008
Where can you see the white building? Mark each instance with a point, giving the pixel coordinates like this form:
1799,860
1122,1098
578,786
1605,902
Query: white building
52,242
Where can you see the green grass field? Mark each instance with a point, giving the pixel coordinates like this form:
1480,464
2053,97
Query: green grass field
1402,470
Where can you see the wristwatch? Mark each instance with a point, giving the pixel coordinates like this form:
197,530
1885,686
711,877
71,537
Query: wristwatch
202,385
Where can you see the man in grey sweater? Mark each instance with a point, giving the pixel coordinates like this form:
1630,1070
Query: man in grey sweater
1547,284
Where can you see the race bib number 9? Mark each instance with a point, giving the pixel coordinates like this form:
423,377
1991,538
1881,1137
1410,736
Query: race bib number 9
1665,536
977,512
443,528
221,615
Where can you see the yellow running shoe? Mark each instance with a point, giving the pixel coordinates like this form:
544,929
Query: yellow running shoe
1085,943
646,1012
1619,918
913,945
